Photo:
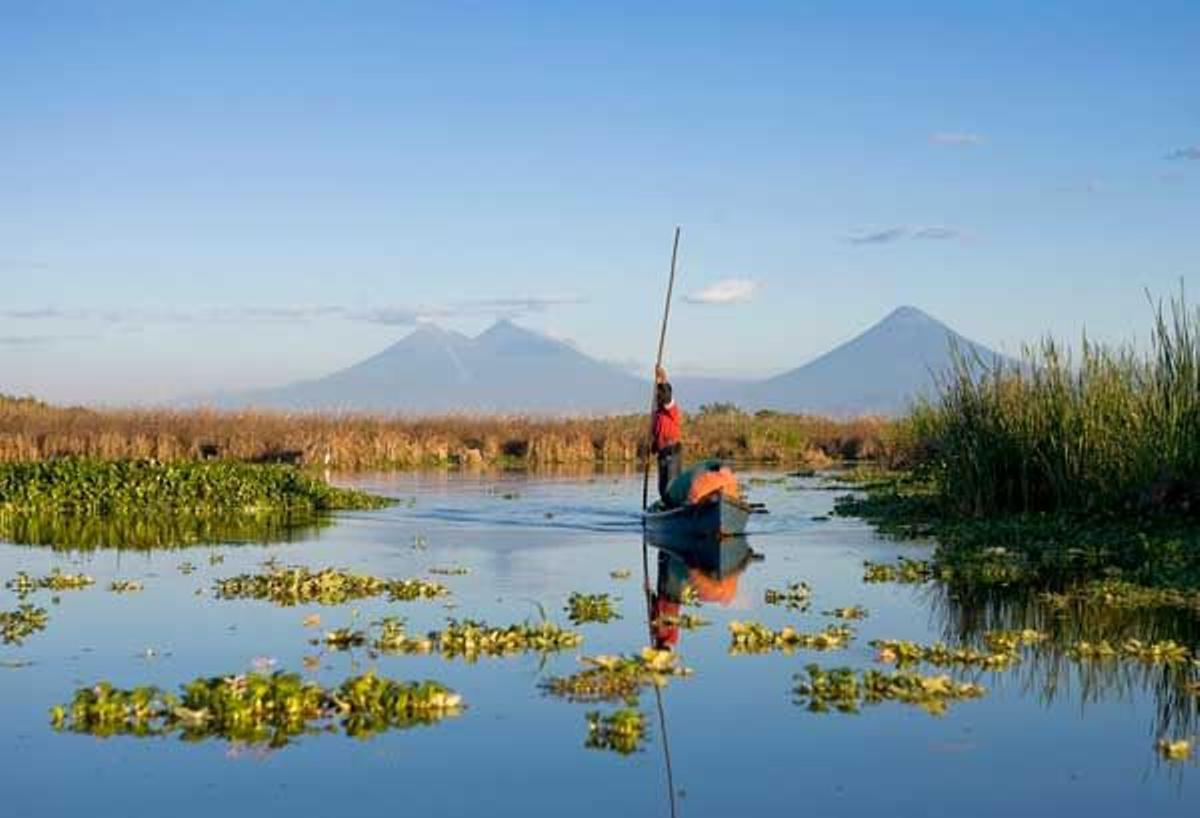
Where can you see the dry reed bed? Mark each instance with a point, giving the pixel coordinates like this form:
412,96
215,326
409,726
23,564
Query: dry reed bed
31,430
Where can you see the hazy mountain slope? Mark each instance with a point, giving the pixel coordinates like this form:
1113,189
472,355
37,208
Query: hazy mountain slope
505,369
511,369
879,371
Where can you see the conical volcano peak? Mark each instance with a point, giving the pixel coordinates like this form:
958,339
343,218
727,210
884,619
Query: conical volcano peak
909,315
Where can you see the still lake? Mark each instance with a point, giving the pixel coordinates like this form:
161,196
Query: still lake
1050,736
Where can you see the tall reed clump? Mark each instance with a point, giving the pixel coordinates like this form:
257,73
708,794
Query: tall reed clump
1115,430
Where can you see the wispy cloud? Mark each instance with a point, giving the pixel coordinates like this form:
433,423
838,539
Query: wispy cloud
1192,152
878,236
937,233
12,341
391,315
900,233
956,138
726,291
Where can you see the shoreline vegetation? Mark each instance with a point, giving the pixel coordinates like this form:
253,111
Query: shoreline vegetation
31,430
1052,471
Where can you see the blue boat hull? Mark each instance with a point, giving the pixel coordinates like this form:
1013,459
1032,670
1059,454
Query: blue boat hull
714,519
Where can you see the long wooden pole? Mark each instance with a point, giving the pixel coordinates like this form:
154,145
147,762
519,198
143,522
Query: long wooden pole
662,340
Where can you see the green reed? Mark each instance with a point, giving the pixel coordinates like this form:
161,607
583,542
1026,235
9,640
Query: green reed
1111,429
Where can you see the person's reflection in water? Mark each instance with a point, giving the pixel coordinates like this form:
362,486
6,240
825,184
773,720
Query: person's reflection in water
713,577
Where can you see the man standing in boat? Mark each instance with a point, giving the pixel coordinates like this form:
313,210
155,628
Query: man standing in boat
666,435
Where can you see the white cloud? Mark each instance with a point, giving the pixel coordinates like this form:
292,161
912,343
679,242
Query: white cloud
725,291
956,138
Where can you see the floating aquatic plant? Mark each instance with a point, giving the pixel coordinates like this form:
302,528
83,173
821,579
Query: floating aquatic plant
621,731
854,612
471,639
125,586
342,639
621,573
23,584
450,571
685,621
1167,652
796,596
754,637
590,608
1114,593
256,708
26,620
1002,651
85,486
1175,750
613,678
846,690
906,571
186,567
689,596
297,584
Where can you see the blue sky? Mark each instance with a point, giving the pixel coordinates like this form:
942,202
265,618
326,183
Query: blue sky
214,195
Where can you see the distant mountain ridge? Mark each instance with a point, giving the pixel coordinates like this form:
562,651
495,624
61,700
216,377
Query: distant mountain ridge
510,369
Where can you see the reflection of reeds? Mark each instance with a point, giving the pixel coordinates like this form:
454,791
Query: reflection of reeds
964,613
30,430
85,532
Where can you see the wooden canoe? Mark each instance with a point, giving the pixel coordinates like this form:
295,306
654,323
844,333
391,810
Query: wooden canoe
713,519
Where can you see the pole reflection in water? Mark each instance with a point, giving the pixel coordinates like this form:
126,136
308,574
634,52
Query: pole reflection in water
707,569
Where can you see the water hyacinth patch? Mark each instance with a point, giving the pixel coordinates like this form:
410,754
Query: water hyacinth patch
23,584
685,621
1121,595
297,585
83,486
1175,750
1002,651
854,612
796,596
256,708
615,678
621,731
845,690
26,620
341,639
125,586
1167,652
471,639
450,571
583,608
905,571
621,573
754,637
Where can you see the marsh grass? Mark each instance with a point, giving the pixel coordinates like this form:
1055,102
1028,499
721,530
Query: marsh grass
1110,429
31,430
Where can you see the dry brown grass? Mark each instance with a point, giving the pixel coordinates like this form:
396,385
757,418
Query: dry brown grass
30,430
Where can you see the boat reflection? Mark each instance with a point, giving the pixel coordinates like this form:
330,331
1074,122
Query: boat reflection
708,569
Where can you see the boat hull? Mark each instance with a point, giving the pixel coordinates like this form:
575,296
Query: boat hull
715,519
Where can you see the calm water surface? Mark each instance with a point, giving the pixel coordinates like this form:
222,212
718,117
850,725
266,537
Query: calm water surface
1047,739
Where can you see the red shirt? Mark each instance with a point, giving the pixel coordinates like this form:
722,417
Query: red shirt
666,426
